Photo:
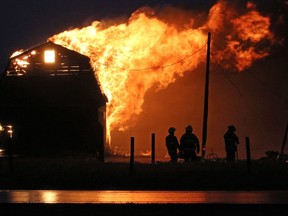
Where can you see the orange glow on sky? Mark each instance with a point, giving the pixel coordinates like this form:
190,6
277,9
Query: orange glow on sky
146,54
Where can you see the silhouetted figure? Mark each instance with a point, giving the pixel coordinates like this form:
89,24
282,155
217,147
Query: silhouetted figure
231,142
189,144
172,145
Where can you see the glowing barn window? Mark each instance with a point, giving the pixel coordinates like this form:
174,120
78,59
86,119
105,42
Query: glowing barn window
49,56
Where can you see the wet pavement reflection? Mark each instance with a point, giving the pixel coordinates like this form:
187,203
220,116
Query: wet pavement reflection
143,197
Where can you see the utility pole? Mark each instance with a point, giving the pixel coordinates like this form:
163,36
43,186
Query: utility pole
284,140
205,116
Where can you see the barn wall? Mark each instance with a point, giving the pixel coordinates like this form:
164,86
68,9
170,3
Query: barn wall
54,115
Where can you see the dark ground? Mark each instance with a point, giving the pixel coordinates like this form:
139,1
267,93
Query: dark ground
88,173
141,210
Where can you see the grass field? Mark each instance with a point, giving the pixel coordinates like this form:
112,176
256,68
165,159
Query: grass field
88,173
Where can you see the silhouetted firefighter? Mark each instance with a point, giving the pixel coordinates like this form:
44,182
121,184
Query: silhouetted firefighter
231,142
189,144
172,145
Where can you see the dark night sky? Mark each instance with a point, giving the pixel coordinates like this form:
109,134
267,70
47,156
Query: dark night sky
254,100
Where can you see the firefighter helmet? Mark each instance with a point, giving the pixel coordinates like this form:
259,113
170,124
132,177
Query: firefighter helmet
189,128
232,128
171,130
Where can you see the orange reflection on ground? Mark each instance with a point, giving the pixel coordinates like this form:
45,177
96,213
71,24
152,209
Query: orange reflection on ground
144,197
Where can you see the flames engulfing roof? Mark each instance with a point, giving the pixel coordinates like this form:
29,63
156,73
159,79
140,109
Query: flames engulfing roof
33,61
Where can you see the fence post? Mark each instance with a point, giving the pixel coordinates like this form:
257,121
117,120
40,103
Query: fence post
153,148
131,154
248,156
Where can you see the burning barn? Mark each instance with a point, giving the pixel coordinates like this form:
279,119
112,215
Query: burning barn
51,97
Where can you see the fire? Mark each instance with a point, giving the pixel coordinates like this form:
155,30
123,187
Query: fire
249,39
146,51
128,59
18,52
21,63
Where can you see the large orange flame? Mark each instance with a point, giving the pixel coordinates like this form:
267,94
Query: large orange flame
146,51
248,38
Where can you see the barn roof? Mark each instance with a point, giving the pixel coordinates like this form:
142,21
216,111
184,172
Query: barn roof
65,78
47,59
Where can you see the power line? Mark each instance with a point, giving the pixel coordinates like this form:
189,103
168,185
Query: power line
267,87
227,77
163,66
251,75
